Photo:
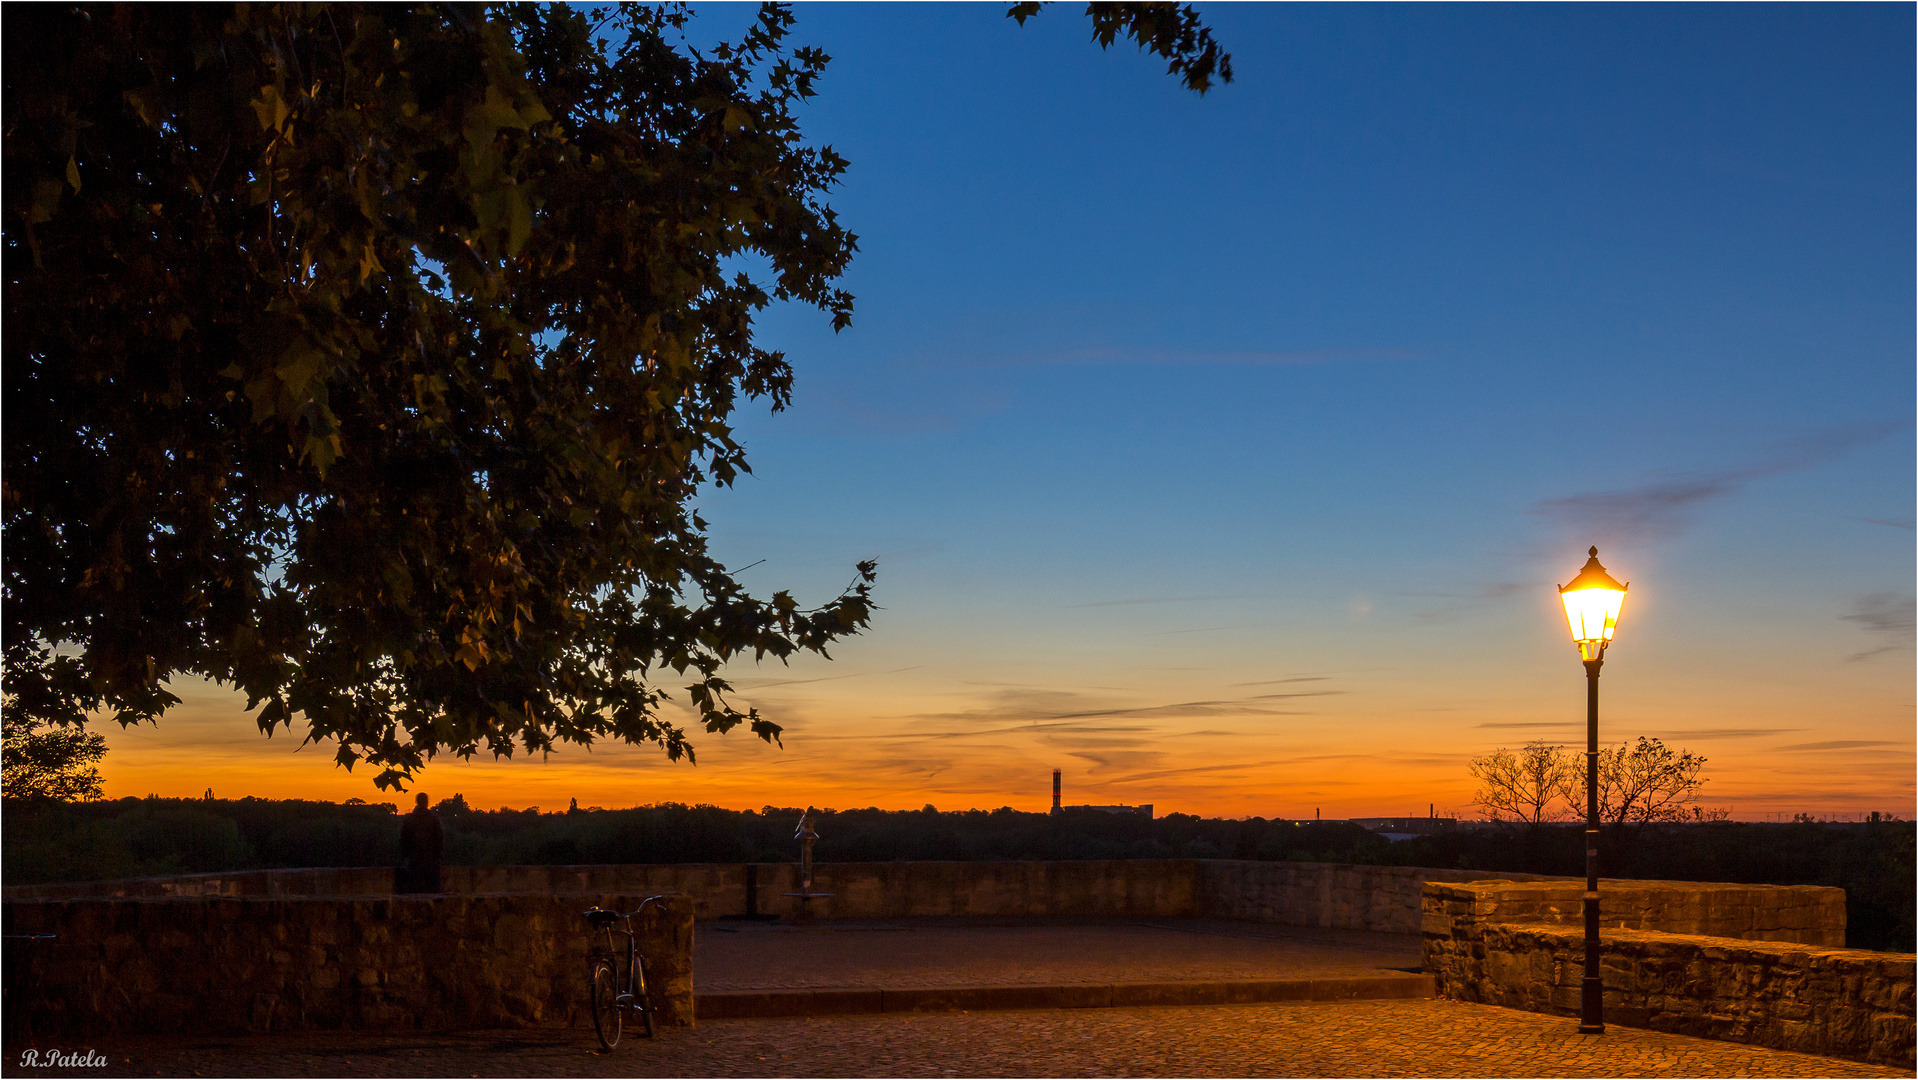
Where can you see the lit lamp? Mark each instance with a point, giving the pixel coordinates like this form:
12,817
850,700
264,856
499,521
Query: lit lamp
1591,603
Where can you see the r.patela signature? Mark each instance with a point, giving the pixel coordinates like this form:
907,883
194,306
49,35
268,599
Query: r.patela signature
53,1059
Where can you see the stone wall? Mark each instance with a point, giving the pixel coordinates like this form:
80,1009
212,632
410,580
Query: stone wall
318,881
1522,946
715,889
331,948
1377,898
1383,899
1160,888
254,964
1806,914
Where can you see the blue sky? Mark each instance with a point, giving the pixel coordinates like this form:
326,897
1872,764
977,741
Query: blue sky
1224,451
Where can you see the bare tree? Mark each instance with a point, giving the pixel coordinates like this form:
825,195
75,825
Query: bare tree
1531,785
1647,782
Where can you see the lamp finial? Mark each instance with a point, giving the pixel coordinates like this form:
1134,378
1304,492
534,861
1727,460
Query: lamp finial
1594,551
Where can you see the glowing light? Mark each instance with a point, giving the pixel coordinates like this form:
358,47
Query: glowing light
1592,602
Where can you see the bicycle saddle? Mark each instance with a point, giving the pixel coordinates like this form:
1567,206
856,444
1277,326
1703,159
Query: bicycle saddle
600,916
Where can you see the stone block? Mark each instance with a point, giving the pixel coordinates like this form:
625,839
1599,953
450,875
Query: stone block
279,962
1784,994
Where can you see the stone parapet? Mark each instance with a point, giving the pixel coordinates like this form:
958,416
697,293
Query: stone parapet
1849,1003
1522,946
233,965
1157,888
716,889
1806,914
316,881
1162,888
1382,899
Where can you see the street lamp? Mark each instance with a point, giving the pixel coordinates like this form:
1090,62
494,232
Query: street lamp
1591,603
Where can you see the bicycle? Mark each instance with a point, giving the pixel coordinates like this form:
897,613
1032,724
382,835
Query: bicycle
612,996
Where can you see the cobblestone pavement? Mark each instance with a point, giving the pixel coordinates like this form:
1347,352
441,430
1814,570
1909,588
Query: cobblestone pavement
912,953
1371,1038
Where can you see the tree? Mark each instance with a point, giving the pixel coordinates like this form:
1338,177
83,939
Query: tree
1526,786
368,359
52,764
1172,32
1637,784
1649,782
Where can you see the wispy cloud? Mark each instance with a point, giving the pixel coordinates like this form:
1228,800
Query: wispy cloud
1145,600
1841,744
1490,590
1663,508
1227,769
1888,615
1256,704
1430,760
1462,601
1056,714
889,421
1534,724
1896,523
909,554
762,684
1689,733
1195,357
1727,733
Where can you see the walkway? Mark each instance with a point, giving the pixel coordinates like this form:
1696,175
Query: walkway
914,965
1364,1038
836,980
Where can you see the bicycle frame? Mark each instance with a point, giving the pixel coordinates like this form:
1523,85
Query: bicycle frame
629,983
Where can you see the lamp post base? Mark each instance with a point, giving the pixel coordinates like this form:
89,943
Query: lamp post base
1593,999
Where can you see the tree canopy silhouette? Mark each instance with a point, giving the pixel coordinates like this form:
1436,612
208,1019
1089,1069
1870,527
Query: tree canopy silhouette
368,358
58,763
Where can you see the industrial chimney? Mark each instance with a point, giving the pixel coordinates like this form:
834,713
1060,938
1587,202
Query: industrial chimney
1055,791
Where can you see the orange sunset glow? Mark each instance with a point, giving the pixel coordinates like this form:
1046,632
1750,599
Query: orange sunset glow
888,724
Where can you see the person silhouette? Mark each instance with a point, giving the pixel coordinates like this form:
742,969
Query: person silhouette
422,840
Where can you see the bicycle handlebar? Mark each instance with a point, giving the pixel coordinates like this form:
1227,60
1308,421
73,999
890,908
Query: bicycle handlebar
604,916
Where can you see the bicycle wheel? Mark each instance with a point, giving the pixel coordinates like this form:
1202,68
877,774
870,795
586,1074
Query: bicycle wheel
606,1019
641,1000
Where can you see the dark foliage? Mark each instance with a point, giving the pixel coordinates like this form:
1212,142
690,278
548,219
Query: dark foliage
56,763
1171,31
133,837
50,841
368,358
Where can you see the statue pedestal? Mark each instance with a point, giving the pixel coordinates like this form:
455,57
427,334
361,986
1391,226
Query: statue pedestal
804,916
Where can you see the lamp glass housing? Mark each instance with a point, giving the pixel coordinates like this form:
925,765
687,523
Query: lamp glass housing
1592,602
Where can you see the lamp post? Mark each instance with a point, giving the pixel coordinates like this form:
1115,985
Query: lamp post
1591,603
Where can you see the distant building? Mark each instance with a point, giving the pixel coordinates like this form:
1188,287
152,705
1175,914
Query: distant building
1144,808
1058,809
1405,828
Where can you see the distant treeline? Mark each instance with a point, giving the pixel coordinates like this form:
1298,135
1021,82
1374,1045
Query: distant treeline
51,841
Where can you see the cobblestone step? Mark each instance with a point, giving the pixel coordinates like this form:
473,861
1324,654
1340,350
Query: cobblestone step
840,1001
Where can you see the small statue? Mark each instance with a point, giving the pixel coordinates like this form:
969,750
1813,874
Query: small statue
806,836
